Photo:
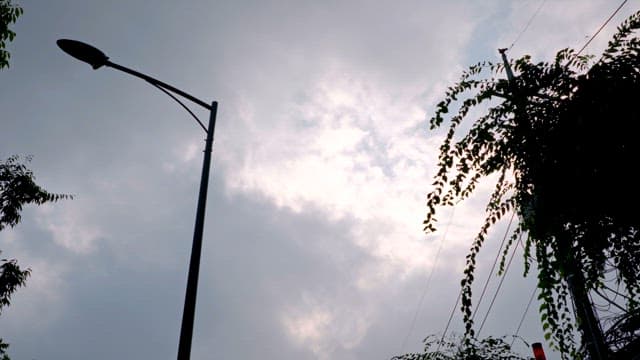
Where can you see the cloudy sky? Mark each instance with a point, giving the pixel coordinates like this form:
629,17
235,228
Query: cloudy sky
322,160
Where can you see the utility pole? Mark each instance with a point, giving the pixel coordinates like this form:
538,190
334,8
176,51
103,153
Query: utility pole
588,322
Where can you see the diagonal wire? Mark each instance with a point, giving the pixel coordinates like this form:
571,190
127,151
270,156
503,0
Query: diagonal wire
183,105
526,27
495,295
602,27
455,306
493,267
446,328
426,287
524,314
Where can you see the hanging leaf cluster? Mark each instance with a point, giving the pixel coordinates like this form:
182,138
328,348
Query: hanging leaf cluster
561,138
9,14
18,188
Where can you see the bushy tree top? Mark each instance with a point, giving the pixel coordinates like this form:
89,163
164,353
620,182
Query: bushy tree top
561,138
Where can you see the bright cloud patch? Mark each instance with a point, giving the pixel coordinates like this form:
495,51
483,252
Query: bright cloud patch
356,151
326,326
69,227
353,151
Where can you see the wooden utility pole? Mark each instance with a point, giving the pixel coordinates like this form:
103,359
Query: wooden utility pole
587,320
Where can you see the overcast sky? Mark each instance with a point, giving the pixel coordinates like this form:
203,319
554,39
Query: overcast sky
322,160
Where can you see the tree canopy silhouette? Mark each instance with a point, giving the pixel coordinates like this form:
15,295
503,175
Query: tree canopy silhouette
9,13
560,137
17,188
11,276
489,348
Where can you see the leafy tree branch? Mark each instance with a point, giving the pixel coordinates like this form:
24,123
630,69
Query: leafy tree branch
560,135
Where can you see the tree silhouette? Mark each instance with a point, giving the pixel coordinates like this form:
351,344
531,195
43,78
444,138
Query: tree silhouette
489,348
560,136
17,188
11,276
9,13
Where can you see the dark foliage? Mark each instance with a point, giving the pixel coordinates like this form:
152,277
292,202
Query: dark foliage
560,136
9,14
17,188
455,349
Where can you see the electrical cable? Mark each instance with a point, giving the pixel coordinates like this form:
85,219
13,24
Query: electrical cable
601,27
616,292
526,27
446,328
524,314
608,300
428,283
455,306
498,289
493,267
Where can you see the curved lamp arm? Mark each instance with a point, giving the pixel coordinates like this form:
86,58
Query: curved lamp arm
97,59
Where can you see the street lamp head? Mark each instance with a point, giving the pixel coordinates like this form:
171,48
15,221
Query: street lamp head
83,52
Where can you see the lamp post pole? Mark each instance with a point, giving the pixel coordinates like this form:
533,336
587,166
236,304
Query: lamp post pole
188,315
96,58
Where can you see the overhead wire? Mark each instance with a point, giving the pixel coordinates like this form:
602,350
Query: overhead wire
610,302
455,306
428,283
493,267
446,328
617,292
526,27
601,27
495,295
524,314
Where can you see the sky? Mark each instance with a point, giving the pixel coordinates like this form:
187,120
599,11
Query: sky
313,242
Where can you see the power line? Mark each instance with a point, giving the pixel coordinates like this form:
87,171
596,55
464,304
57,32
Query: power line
493,267
524,314
495,295
426,287
455,306
446,328
526,27
602,27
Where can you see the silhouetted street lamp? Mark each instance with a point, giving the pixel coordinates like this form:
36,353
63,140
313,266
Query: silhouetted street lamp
97,59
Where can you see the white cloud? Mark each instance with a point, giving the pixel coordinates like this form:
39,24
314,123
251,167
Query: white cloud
184,154
70,226
329,324
351,149
38,303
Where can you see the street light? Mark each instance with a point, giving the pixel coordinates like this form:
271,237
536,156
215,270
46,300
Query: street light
97,59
